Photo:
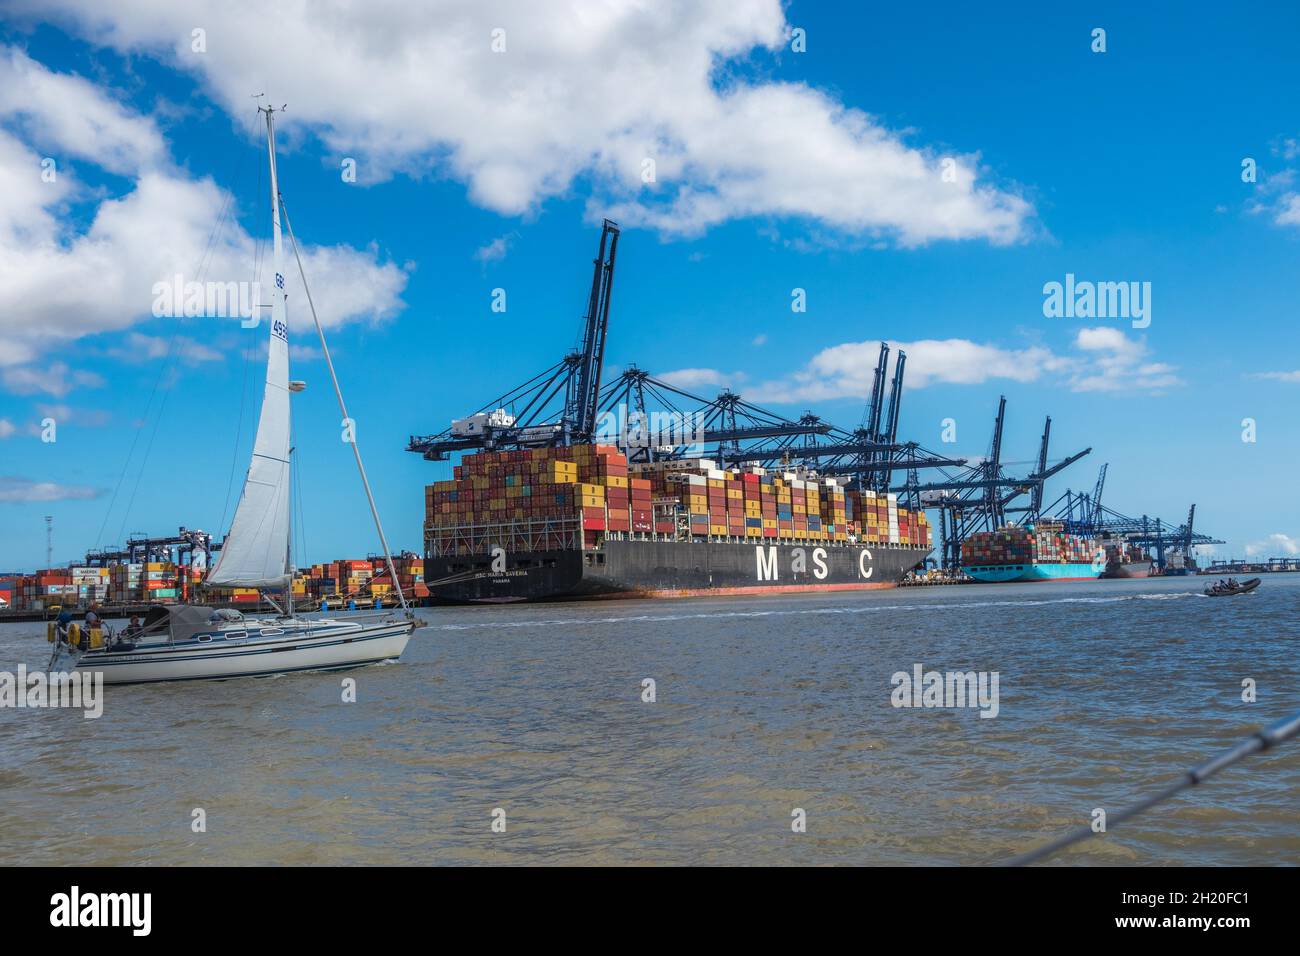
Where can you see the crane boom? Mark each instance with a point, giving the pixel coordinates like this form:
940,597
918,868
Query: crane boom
580,420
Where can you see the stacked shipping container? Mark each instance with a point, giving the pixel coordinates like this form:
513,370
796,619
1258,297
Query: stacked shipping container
1045,543
585,486
157,582
595,485
357,578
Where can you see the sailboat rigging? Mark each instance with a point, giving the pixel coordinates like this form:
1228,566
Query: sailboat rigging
191,642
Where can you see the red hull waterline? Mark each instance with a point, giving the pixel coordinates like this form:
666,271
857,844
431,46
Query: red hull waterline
764,589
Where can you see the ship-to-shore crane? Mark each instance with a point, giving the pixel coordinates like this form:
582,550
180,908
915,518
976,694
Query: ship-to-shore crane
1083,513
982,497
648,418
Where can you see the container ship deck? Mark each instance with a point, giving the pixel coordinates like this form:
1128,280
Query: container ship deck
579,522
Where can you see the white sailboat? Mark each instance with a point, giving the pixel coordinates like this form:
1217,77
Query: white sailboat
191,642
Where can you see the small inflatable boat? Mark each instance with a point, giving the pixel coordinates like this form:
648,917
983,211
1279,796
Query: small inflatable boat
1225,590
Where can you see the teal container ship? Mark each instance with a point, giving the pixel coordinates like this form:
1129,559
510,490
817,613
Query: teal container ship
1042,552
1032,572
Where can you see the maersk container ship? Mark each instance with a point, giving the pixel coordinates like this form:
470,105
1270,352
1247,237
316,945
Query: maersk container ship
579,522
1042,552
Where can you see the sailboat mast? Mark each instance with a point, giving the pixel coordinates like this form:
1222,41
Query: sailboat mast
275,200
254,553
278,297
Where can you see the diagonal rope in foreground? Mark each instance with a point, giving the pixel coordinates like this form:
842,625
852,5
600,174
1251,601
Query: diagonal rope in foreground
1263,739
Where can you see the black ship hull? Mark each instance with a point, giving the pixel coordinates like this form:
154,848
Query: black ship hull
1127,569
665,568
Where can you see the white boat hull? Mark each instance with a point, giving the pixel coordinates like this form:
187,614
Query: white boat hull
255,650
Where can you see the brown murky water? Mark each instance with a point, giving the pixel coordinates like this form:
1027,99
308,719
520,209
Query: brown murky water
1107,691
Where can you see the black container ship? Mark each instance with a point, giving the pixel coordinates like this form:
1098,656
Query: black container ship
666,568
1125,560
539,509
578,522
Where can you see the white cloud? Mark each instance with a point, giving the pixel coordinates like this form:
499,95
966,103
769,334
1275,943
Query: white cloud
68,112
1103,339
1287,212
583,90
1276,545
1117,363
13,488
67,415
495,250
308,353
1279,376
55,379
7,428
143,348
1278,198
689,378
58,283
1105,360
847,370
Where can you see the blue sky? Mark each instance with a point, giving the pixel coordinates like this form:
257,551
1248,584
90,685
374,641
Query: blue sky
776,170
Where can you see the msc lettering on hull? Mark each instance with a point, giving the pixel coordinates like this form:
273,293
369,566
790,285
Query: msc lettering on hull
768,563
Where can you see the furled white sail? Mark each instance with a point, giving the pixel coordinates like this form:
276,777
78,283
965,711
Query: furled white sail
256,551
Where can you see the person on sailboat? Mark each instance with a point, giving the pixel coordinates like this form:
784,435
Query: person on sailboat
61,625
